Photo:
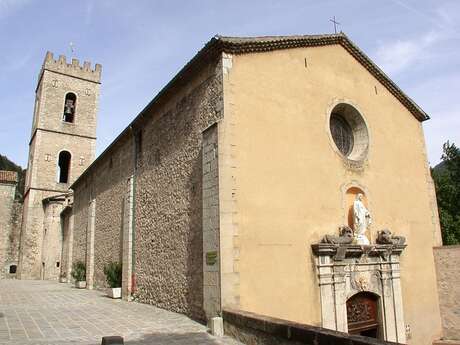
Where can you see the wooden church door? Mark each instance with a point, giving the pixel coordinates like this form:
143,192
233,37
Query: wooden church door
363,315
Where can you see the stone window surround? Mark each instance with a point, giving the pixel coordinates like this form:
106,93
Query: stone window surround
355,160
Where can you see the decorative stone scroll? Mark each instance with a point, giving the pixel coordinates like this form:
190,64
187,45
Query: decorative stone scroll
346,269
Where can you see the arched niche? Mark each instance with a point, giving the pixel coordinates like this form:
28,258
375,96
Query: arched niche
350,195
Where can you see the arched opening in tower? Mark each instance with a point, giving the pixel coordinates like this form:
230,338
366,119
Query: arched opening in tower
64,166
69,107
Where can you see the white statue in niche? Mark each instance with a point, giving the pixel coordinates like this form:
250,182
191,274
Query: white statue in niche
362,219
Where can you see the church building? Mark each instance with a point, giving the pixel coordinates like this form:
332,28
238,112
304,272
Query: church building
285,176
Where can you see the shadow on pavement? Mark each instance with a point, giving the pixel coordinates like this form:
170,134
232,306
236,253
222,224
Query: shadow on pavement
175,338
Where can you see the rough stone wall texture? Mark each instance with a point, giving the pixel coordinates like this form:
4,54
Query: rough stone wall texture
10,227
253,329
211,238
110,182
32,234
168,220
66,243
54,85
52,241
107,184
45,155
80,214
448,273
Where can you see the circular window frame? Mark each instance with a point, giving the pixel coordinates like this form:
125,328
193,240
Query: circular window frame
350,112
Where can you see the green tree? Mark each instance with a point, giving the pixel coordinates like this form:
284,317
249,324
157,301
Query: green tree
446,177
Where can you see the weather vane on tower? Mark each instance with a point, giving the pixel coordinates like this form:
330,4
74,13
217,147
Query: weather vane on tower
72,47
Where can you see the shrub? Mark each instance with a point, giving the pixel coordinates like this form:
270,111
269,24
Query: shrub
112,273
79,271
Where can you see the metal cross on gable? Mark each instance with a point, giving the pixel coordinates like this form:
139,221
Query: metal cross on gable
335,23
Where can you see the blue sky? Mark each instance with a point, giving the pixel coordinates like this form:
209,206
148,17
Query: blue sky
142,45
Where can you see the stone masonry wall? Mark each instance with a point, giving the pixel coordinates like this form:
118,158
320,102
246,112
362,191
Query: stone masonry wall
110,184
80,214
107,184
211,236
10,228
52,241
65,221
50,136
448,273
168,199
254,329
32,234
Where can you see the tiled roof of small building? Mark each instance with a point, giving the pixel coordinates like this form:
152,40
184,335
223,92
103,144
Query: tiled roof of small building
8,176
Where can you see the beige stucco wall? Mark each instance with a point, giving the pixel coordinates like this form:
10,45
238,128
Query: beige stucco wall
290,181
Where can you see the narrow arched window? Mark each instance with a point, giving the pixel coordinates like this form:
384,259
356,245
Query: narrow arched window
64,166
69,107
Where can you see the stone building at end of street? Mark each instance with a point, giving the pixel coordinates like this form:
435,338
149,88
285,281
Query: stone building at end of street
10,224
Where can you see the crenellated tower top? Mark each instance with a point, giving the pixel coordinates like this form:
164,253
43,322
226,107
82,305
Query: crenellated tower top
73,69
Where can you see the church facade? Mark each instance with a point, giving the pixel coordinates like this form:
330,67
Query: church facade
245,183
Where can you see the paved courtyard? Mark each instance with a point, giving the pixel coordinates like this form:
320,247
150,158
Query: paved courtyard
43,312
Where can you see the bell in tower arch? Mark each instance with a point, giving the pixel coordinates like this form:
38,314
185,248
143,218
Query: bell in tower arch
69,107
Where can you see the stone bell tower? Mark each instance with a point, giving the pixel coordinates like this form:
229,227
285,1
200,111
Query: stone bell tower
61,147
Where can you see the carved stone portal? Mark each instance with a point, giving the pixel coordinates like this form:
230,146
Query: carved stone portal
347,271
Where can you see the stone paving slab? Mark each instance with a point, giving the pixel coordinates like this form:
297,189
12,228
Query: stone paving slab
51,313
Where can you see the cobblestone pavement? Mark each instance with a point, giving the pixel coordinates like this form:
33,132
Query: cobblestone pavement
43,312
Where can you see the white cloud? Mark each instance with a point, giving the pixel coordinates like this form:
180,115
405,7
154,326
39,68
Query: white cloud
396,56
9,6
89,12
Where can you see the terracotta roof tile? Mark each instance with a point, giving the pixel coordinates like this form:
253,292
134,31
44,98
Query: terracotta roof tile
8,176
244,45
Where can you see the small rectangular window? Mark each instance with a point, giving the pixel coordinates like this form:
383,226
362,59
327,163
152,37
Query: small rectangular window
58,264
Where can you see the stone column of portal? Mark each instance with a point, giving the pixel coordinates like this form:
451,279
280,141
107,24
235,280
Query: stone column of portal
340,300
388,310
90,245
70,246
398,301
326,285
128,220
